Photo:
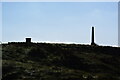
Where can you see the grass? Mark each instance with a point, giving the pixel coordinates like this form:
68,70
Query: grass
44,61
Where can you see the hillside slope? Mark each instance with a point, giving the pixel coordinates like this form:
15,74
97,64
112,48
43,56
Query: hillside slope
44,61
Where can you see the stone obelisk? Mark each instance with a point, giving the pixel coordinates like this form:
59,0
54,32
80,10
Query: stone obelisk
92,41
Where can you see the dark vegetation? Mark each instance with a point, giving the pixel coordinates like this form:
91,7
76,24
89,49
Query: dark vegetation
44,61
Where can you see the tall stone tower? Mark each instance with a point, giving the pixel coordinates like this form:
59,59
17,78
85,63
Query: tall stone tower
92,40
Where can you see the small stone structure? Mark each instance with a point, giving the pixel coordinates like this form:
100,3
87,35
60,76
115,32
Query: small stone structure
28,40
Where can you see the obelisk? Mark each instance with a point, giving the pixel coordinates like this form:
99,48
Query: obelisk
92,41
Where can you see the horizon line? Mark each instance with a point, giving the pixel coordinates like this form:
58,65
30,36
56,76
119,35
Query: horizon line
58,42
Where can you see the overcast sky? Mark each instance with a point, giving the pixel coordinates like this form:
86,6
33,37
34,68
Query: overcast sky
60,22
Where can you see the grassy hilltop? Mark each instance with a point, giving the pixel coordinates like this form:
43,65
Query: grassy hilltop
45,61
